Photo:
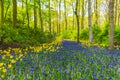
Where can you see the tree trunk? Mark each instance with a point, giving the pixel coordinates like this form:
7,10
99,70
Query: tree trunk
77,19
28,20
59,28
49,17
8,6
115,15
111,20
89,22
118,14
2,12
96,12
35,15
40,14
73,25
14,13
65,15
83,14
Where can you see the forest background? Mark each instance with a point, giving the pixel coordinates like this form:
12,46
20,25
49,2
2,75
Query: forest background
33,22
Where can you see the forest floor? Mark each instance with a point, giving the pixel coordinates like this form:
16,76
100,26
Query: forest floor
66,60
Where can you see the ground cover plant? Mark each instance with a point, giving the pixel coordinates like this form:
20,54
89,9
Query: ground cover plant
66,60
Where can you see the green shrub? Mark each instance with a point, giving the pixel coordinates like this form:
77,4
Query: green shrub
24,35
117,36
84,34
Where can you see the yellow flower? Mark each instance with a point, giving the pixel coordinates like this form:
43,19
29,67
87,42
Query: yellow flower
3,57
4,70
0,68
1,64
2,76
13,61
21,59
11,56
9,66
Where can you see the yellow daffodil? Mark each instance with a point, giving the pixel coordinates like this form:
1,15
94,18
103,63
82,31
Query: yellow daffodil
11,56
2,76
21,59
3,57
4,70
9,66
0,68
1,64
13,61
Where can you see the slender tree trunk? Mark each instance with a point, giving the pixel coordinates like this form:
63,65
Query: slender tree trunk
40,14
2,12
23,13
118,14
50,17
115,15
90,22
119,19
111,17
96,12
14,13
77,19
66,27
35,15
83,14
27,13
73,16
57,17
59,28
8,6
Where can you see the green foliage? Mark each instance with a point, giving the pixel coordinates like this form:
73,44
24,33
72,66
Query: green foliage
24,35
84,35
117,36
69,34
100,34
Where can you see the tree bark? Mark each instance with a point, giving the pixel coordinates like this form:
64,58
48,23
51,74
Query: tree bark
96,12
2,12
66,27
90,22
115,15
73,24
35,15
77,19
83,14
59,28
40,14
111,20
14,13
118,14
50,17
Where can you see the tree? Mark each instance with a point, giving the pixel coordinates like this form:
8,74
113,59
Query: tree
96,11
83,14
14,13
27,13
40,14
49,16
111,20
115,15
73,10
35,15
118,14
65,15
59,20
2,12
77,19
90,22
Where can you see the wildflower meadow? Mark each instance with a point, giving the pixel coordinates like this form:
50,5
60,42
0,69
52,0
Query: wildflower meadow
60,60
